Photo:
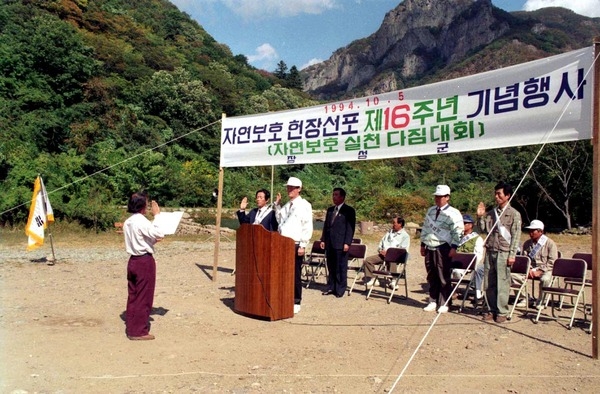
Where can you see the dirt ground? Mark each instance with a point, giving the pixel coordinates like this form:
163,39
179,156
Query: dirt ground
62,331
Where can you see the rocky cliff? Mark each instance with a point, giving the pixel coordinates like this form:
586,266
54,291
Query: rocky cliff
420,38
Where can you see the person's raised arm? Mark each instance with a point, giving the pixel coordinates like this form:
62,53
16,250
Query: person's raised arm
481,209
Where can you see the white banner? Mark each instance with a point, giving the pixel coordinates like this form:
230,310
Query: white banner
547,100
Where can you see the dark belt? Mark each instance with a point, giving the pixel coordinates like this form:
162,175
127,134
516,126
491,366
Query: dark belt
444,245
141,255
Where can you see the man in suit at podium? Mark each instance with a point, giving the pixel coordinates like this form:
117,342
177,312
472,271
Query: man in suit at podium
262,214
338,231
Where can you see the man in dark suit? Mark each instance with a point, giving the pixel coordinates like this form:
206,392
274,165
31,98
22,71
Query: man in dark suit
263,214
338,231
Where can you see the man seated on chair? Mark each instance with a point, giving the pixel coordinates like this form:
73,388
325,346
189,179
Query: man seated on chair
471,242
397,237
542,252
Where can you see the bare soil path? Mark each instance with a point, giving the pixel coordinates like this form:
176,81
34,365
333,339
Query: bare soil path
61,330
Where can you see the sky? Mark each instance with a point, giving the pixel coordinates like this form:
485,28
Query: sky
305,32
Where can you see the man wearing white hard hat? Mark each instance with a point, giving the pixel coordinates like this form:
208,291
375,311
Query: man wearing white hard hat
295,221
543,252
440,237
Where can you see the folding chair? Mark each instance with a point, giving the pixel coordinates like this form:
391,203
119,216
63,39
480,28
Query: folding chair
534,280
575,270
314,263
467,263
356,256
392,256
521,267
587,257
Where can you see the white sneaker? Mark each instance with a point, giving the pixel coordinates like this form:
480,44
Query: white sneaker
296,308
522,303
370,283
431,307
393,285
443,309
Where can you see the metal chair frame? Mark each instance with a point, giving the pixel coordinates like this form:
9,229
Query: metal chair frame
575,270
314,263
467,262
356,257
521,266
392,255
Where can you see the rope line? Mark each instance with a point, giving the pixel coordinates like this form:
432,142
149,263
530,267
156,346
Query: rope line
118,164
544,143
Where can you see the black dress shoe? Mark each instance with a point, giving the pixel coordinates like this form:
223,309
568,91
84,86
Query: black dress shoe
328,292
147,337
339,295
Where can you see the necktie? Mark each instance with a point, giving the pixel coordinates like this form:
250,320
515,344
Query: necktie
335,213
258,216
437,213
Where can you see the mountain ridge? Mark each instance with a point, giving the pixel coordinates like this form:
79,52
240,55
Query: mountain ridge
425,41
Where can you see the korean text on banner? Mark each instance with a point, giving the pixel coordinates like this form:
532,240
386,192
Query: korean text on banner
40,214
525,104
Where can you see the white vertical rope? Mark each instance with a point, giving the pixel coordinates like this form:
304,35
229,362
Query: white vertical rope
544,142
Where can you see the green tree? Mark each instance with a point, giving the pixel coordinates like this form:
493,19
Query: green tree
294,80
281,70
561,174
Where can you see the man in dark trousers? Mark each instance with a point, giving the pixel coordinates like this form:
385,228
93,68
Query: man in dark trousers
338,231
263,214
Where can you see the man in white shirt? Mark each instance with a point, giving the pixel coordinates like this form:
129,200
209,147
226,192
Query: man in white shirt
295,221
397,237
441,233
140,237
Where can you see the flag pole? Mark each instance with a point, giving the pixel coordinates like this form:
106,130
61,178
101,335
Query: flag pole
595,319
53,261
44,199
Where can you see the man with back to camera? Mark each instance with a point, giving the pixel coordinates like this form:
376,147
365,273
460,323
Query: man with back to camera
140,237
262,214
338,231
296,222
503,225
440,236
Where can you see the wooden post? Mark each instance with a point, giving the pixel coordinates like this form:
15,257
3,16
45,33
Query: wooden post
218,219
595,198
218,226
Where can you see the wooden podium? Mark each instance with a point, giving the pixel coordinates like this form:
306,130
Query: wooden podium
264,273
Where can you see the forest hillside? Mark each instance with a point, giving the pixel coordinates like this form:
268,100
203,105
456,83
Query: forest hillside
107,97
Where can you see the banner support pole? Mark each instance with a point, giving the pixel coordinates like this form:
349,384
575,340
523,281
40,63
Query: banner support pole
218,218
218,226
595,321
